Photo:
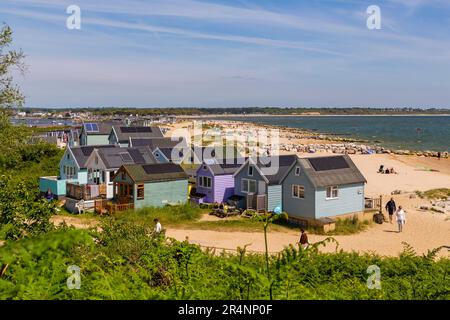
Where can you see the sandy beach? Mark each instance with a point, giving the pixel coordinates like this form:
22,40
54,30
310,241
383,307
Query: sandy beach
424,230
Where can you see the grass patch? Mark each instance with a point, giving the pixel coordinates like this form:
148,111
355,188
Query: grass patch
344,227
169,215
441,193
236,224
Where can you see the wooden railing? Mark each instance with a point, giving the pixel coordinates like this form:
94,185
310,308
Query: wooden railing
373,203
84,192
105,206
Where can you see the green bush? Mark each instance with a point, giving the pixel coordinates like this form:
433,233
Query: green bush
128,261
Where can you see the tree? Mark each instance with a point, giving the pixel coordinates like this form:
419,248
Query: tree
22,211
10,95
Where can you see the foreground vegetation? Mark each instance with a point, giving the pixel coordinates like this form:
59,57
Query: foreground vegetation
127,261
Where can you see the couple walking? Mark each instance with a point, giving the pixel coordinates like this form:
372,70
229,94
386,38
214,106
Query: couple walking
400,216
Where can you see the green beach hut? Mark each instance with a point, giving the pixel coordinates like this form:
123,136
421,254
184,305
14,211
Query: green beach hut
153,185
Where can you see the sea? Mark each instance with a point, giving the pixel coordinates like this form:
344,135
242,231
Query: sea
418,133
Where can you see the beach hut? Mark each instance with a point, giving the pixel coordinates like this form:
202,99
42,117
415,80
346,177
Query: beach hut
142,185
72,169
121,135
215,182
95,133
259,181
104,162
322,187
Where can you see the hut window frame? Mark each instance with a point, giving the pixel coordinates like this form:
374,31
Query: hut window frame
140,195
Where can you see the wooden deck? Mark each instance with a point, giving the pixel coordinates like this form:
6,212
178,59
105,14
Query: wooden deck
106,206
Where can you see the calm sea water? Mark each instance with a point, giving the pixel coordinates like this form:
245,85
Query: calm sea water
395,132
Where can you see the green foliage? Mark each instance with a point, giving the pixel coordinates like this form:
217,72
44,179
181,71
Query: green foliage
171,215
10,95
22,211
18,152
344,227
128,261
441,193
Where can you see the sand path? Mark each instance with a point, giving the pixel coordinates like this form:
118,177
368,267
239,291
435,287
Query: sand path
424,231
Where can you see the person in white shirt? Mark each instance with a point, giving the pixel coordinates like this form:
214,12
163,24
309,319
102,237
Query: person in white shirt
158,226
401,218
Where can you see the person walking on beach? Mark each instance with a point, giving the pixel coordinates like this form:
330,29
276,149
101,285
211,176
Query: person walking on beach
304,239
391,208
401,218
158,227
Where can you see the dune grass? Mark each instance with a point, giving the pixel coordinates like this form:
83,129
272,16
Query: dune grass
441,193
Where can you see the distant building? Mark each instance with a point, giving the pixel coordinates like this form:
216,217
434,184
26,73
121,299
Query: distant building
95,133
121,135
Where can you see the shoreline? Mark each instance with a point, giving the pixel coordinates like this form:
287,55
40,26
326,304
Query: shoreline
310,115
330,138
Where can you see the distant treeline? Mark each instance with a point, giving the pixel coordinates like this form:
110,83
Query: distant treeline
249,110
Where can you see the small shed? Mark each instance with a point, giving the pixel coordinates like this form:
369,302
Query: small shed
151,185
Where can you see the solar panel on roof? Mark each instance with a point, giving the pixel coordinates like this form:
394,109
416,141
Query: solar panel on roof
135,129
87,151
328,163
161,168
126,157
136,155
94,127
88,127
143,129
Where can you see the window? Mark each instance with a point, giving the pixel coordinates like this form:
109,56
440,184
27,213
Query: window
108,177
68,156
332,192
124,176
96,159
64,170
205,182
248,186
298,191
297,171
250,170
140,191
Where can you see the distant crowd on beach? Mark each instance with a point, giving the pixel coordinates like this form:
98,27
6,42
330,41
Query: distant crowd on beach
387,170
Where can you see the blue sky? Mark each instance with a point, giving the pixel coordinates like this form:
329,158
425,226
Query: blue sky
235,53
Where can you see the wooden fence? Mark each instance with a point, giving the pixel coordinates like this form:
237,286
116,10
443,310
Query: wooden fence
104,206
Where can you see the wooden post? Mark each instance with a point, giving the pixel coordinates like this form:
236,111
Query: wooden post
381,204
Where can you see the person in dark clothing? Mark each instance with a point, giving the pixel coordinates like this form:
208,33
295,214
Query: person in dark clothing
304,239
49,195
391,208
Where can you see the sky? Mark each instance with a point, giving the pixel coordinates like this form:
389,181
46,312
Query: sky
237,53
